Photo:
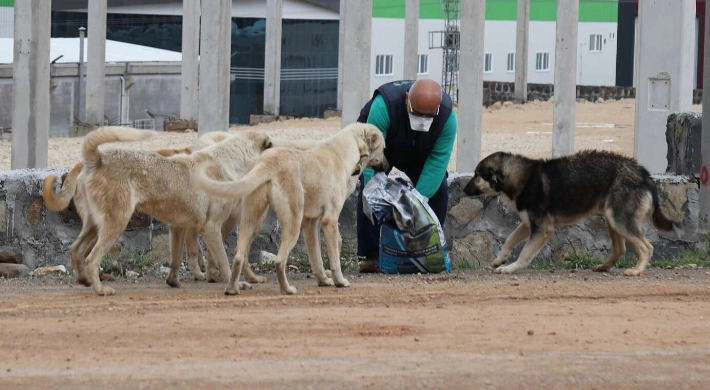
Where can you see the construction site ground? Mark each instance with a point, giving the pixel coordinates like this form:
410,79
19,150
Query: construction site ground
465,330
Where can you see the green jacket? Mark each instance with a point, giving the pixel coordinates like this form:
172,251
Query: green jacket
437,162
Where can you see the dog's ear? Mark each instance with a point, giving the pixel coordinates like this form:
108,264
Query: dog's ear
267,143
364,157
373,137
361,165
497,180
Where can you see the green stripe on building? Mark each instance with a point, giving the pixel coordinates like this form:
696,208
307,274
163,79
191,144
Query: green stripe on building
7,3
540,10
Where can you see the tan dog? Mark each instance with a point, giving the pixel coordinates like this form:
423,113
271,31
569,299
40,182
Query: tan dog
305,188
60,200
114,183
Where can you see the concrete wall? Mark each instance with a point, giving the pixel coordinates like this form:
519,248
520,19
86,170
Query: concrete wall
475,228
156,87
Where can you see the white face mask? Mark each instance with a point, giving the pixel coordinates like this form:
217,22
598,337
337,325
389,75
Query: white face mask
420,124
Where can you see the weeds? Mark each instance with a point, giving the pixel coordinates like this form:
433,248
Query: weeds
128,259
579,260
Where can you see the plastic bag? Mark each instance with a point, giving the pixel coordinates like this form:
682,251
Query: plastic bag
411,237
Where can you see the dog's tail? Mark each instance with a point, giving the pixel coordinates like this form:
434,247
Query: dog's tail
60,200
102,135
231,189
658,218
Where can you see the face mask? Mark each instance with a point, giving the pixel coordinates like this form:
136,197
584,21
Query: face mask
420,124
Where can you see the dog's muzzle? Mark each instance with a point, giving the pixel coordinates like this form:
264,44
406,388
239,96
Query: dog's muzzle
472,189
383,167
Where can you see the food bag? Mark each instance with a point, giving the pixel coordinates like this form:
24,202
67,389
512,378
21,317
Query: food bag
411,237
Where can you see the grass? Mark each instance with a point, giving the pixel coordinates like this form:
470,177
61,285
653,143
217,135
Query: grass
580,260
128,259
132,259
348,261
463,265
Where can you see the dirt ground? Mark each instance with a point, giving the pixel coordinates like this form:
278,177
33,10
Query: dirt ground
465,330
537,329
525,129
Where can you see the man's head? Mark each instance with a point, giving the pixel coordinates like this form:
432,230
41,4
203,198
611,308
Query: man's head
423,101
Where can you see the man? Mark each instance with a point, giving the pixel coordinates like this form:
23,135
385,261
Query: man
419,125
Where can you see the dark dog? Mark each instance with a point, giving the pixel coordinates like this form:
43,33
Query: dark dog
562,191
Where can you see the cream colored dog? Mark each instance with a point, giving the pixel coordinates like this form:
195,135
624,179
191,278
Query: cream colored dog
60,200
305,188
114,183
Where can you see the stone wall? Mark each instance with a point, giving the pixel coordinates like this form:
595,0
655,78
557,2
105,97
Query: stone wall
475,228
683,131
495,91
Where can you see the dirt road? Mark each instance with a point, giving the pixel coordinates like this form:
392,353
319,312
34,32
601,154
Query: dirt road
538,329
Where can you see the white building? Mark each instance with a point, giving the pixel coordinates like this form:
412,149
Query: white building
7,18
597,41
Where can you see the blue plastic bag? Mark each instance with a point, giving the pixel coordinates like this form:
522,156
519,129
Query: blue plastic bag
411,237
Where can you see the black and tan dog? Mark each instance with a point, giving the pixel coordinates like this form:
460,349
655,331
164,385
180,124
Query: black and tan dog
562,191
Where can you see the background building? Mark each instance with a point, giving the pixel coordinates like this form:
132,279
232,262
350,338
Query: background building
597,40
7,18
309,57
606,53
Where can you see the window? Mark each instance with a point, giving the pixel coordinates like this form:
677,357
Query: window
595,42
384,65
511,62
488,64
542,62
423,64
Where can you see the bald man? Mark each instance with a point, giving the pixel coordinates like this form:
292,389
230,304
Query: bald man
419,125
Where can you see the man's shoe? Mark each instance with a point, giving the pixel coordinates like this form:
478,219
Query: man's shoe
369,266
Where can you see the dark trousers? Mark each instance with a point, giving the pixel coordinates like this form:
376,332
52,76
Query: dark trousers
368,235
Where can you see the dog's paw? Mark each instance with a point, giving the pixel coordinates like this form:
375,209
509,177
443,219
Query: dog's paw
494,265
106,291
326,282
199,277
214,278
508,269
231,291
258,279
632,272
342,283
290,290
173,282
84,281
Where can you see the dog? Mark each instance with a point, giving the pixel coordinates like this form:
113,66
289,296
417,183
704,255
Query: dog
562,191
113,183
60,200
306,189
195,260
